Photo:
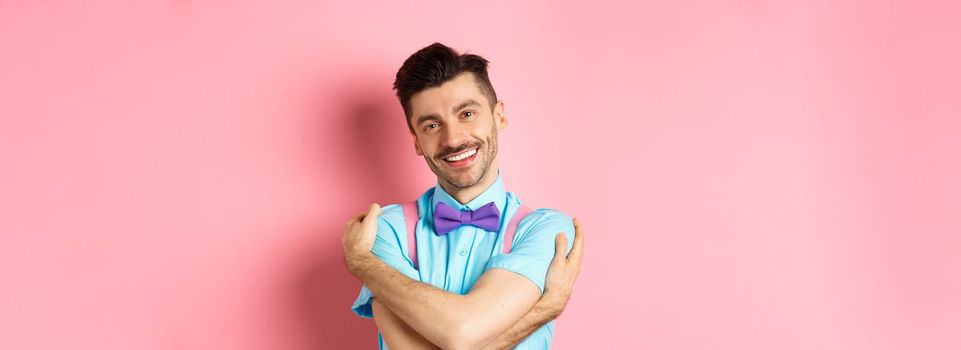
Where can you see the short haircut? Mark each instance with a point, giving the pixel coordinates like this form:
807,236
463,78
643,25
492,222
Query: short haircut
433,66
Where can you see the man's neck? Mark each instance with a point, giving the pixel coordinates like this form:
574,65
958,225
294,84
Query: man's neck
467,194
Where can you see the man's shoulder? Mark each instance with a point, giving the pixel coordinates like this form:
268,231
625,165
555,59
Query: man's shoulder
391,215
390,224
545,219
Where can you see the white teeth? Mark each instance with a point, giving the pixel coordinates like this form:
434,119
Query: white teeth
461,156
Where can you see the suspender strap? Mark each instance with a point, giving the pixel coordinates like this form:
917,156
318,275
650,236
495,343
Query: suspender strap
410,217
512,227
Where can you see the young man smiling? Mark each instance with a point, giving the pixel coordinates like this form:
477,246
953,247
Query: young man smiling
479,271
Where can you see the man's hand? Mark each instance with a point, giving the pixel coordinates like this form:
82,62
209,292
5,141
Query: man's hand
564,269
359,235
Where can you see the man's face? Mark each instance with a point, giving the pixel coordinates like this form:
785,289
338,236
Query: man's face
455,130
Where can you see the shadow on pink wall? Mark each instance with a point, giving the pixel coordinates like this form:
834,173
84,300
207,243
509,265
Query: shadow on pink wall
364,131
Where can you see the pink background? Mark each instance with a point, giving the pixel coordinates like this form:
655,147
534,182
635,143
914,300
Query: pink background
751,174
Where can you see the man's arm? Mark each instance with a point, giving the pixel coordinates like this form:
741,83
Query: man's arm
559,285
497,300
544,311
397,334
557,291
452,321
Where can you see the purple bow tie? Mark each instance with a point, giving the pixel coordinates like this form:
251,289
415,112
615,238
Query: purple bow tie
447,219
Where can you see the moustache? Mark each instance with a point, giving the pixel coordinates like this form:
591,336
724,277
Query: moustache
453,150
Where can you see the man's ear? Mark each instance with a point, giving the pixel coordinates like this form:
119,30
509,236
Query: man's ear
499,118
417,147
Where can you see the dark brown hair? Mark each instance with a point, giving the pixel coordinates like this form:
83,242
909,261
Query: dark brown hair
434,65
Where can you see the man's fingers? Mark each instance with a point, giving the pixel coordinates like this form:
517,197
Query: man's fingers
560,246
578,250
356,218
370,217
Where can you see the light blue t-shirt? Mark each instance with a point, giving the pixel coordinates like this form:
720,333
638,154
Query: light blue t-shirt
453,262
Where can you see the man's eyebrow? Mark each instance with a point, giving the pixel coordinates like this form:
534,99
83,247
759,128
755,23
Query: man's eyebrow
465,104
423,118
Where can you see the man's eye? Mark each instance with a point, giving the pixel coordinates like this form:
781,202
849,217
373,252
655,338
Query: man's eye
430,126
469,114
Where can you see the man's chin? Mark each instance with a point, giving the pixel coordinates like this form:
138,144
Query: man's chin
462,179
462,182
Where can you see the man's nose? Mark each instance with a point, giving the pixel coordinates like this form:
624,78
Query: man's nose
454,135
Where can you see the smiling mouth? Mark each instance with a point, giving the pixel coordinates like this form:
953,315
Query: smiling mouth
462,158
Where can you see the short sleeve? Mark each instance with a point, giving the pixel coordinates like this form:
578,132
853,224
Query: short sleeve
533,247
390,246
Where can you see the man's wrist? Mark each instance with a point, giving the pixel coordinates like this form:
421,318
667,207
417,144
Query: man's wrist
553,303
356,262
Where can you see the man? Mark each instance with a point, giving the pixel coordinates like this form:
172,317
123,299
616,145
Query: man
460,290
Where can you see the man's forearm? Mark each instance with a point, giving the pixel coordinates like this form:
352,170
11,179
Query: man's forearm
429,310
544,311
